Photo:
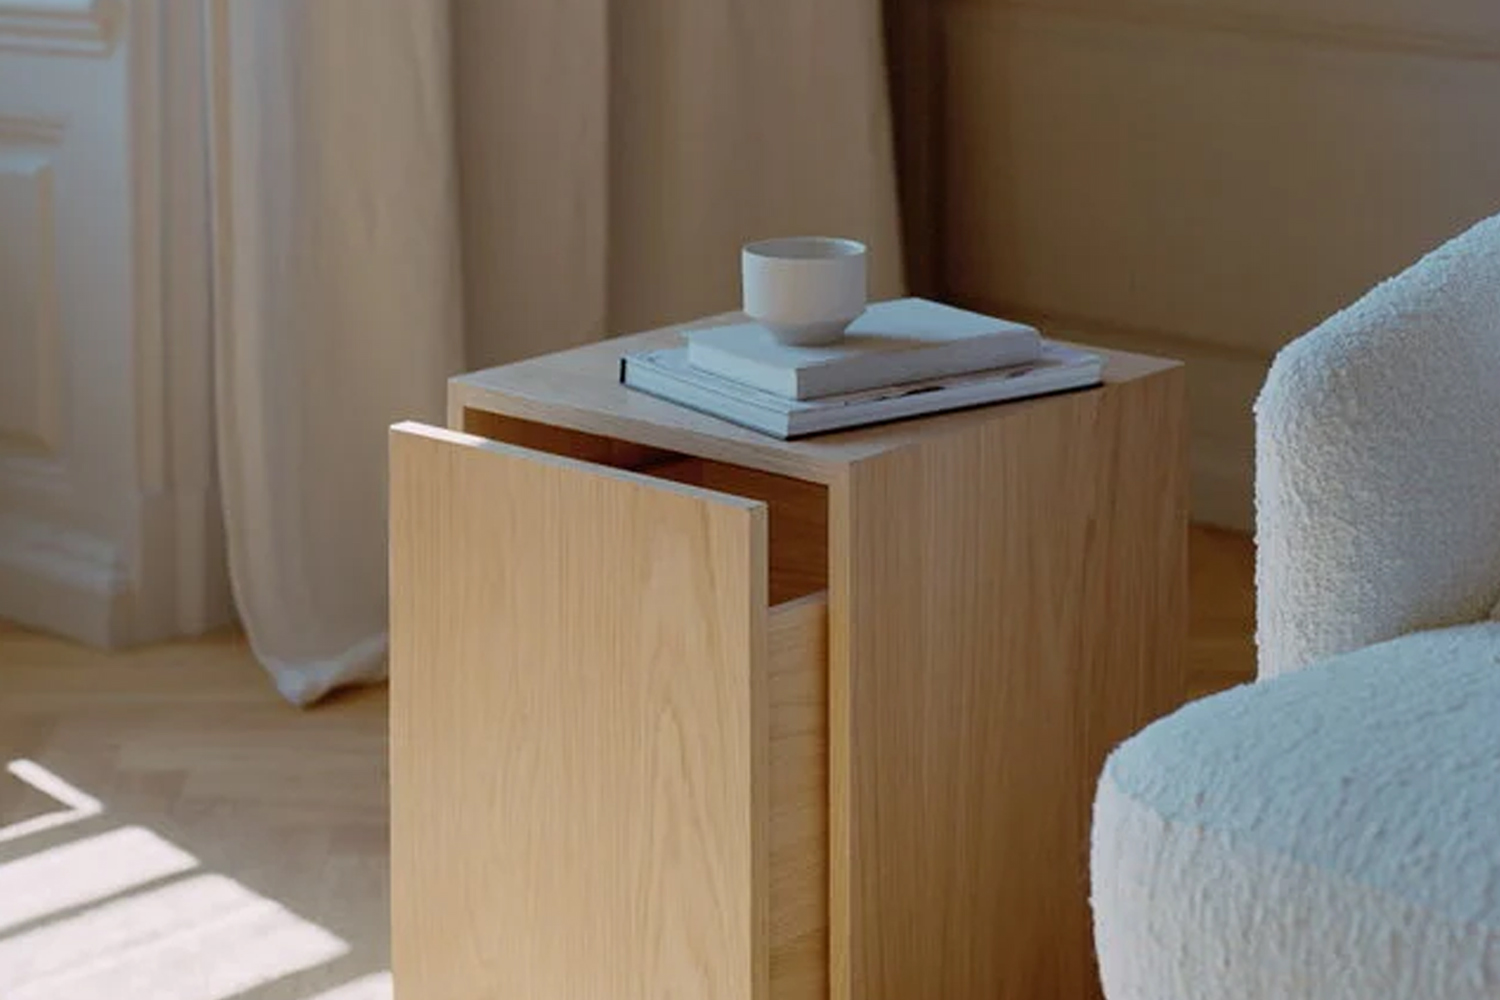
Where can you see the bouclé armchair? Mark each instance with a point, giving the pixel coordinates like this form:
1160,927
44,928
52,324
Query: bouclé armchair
1332,830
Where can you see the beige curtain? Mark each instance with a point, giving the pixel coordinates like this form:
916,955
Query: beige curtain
336,301
608,161
614,156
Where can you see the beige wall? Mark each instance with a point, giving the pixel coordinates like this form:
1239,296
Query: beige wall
1208,179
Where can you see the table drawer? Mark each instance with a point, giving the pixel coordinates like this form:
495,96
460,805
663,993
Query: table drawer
609,721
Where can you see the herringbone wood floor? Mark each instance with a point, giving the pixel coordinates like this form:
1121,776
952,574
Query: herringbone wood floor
282,813
239,849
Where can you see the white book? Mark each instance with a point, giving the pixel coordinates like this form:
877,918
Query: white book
666,373
903,340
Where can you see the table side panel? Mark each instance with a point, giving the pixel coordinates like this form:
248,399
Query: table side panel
1007,603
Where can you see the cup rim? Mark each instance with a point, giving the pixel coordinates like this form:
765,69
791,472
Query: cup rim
806,248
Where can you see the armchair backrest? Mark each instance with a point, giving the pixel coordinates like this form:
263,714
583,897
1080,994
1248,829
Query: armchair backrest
1378,463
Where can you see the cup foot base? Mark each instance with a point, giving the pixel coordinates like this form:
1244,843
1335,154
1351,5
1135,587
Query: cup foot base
808,334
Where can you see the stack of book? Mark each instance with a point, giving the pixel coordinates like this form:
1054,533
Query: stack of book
901,358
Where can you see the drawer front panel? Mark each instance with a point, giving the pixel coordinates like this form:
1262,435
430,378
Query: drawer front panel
579,731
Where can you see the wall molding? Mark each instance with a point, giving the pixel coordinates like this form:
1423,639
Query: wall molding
23,130
1370,36
26,157
42,478
63,581
138,557
59,27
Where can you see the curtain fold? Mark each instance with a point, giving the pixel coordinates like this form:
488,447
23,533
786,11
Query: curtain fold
336,300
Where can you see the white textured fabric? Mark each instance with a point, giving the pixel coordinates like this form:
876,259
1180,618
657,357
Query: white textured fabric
1378,463
336,291
1332,833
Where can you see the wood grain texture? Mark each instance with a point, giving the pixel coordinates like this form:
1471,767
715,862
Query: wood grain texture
1005,592
594,448
1007,602
798,508
578,732
798,519
798,683
579,389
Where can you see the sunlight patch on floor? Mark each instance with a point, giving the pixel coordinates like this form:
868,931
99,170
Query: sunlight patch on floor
84,871
205,938
376,986
77,805
127,915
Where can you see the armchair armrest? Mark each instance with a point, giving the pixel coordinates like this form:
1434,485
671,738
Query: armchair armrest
1378,463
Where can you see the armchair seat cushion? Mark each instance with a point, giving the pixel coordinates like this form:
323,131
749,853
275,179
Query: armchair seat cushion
1329,833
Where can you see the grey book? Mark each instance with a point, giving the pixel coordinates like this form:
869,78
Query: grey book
903,340
667,374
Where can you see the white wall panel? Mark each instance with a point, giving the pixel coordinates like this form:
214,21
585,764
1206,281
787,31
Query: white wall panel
108,517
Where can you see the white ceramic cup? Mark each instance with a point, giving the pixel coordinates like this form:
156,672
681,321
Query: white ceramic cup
805,289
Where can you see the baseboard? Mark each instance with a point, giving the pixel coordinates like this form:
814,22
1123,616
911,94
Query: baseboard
182,583
64,582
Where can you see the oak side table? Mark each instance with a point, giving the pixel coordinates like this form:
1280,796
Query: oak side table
682,711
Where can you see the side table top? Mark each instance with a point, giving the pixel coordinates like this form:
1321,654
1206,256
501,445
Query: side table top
580,389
